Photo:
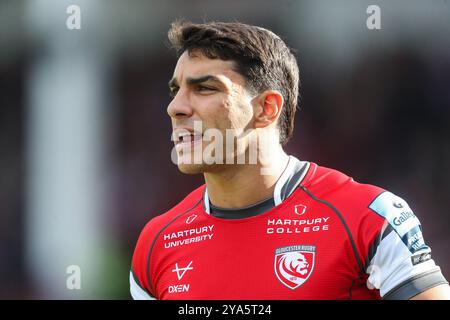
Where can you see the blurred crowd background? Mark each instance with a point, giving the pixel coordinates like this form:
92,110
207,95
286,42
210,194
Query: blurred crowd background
85,138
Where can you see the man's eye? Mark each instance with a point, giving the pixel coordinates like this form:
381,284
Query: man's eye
204,88
173,92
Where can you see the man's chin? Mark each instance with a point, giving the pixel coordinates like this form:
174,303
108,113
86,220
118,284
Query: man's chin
200,168
192,168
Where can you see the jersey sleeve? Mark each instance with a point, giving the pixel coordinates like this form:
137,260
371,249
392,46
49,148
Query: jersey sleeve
400,264
140,287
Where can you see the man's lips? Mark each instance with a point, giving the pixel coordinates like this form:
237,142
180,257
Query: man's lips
186,136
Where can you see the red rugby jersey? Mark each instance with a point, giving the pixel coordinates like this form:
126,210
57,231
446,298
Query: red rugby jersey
331,238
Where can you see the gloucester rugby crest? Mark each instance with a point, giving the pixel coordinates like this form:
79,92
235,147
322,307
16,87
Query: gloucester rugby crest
294,264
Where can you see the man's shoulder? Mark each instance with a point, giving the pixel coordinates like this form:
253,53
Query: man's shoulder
150,232
335,185
339,191
353,202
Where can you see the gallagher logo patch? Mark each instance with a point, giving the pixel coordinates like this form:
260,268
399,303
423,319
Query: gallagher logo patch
294,264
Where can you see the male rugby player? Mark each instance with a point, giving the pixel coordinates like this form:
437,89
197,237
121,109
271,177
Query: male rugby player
271,226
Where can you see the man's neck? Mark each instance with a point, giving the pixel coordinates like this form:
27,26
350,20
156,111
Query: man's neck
244,185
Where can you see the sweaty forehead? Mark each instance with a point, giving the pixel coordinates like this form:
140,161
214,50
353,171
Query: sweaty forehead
194,66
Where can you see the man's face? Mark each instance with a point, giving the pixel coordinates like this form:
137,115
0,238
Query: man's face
207,94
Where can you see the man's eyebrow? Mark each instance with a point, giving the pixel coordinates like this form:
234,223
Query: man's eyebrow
193,81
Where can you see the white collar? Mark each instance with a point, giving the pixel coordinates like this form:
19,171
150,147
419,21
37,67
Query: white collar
285,184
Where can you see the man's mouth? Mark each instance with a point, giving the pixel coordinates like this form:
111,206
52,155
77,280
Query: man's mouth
186,137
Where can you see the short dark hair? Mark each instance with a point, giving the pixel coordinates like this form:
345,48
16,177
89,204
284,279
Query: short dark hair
259,55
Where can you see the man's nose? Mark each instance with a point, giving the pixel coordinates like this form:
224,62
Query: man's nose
179,107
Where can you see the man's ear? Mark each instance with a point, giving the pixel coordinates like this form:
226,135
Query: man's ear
268,108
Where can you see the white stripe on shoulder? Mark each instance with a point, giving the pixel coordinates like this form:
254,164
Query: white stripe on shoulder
305,167
287,173
392,264
206,201
137,292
